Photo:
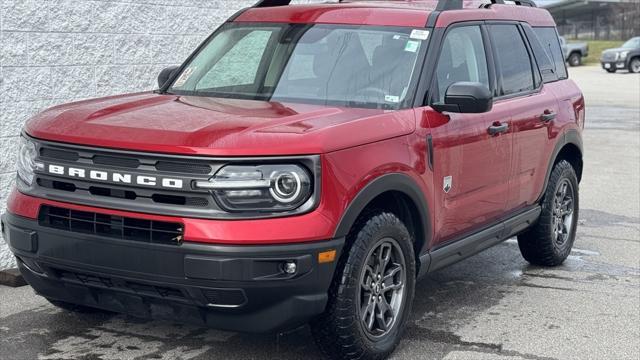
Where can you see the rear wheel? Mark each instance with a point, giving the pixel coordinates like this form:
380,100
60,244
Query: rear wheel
549,242
634,65
575,59
370,299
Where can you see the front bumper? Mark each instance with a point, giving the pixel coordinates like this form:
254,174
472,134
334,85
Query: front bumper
619,65
239,288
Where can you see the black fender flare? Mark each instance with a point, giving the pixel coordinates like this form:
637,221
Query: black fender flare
390,182
572,137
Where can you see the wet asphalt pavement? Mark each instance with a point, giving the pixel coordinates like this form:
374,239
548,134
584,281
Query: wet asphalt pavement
491,306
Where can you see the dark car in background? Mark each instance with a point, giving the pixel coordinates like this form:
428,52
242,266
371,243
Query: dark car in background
625,57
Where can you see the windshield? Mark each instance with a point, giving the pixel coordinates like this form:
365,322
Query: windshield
352,66
632,44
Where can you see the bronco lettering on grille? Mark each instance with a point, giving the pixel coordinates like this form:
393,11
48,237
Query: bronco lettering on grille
114,177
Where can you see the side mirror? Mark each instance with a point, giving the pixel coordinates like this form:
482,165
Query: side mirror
166,74
466,97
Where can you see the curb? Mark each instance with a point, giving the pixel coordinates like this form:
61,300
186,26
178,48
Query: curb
12,278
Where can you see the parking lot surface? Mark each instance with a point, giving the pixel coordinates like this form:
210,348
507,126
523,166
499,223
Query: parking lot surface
491,306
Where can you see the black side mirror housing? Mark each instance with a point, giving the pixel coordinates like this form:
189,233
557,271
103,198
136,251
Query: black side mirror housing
466,97
166,74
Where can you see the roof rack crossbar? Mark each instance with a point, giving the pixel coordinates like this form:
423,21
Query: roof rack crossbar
272,3
529,3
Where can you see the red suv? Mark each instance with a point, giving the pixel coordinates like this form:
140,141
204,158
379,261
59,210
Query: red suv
307,164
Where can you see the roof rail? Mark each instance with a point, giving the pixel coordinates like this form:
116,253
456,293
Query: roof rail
443,5
272,3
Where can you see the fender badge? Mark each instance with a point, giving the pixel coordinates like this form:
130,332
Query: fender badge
448,184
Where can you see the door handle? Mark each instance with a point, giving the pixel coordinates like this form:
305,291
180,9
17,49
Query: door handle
498,129
548,116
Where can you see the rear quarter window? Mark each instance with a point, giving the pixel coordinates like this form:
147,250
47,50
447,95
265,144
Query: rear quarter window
546,66
548,37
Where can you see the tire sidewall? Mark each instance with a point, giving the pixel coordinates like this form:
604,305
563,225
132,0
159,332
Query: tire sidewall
631,63
388,342
339,332
574,59
566,172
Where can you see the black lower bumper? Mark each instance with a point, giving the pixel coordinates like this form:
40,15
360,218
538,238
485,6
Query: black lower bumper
239,288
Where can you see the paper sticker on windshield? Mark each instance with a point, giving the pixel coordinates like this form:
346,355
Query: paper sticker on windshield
420,34
412,46
392,99
184,77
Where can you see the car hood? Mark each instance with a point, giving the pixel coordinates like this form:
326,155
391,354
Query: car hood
214,126
617,50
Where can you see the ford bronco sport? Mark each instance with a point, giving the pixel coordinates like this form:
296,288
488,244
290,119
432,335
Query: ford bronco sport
307,164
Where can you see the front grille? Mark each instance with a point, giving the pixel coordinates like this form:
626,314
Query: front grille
116,193
127,162
116,227
129,195
116,161
57,185
184,168
135,181
55,154
611,56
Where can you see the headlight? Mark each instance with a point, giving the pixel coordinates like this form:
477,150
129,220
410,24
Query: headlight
623,55
27,161
260,188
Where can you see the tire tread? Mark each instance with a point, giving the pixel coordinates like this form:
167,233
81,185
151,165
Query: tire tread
335,332
536,244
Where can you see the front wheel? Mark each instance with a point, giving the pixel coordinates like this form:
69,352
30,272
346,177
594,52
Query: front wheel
549,242
634,65
370,299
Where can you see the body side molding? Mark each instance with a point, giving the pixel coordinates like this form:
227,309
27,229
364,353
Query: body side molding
457,250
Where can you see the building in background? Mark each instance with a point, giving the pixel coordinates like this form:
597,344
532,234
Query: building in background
597,19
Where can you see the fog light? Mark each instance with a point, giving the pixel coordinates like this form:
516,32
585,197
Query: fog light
290,267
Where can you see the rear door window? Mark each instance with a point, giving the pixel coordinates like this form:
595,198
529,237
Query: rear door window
513,62
550,41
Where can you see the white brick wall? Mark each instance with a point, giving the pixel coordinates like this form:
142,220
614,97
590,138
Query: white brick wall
57,51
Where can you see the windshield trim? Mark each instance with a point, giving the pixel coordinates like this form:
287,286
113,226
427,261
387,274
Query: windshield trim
407,102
